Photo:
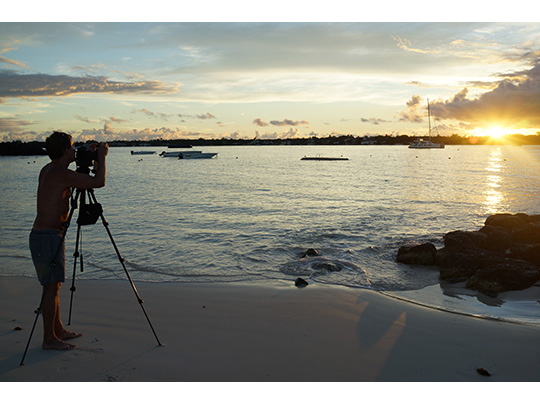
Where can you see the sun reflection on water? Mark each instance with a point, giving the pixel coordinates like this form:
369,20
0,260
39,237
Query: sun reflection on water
494,198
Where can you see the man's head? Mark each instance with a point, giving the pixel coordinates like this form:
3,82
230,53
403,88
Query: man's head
57,143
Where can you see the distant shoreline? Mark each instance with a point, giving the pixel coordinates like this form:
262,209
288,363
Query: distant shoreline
18,148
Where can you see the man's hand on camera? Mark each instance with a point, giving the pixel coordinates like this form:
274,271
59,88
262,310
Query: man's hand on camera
103,150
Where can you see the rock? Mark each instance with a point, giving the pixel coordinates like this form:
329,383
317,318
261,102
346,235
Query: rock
498,238
464,239
528,233
506,275
507,221
456,265
423,254
503,255
527,252
310,252
483,372
300,283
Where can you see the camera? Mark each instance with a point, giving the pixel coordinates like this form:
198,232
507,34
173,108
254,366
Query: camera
84,158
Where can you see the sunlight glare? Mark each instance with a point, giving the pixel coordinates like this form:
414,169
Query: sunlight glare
494,132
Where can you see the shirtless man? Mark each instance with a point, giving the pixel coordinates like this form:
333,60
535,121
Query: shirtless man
54,192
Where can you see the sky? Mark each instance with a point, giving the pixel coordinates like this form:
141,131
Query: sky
245,80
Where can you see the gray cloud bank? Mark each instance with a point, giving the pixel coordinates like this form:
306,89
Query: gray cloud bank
514,101
14,84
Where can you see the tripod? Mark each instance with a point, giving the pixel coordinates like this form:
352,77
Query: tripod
88,215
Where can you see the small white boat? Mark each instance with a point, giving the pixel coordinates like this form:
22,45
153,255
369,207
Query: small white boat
195,154
423,143
142,152
176,154
320,157
199,155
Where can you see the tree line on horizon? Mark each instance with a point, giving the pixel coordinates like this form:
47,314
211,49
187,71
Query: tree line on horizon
19,148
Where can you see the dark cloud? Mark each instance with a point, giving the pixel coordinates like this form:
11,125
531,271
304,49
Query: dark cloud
288,122
374,121
13,124
13,84
206,116
260,123
513,101
411,113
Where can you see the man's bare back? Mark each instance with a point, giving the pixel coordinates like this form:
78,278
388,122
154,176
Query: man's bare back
53,198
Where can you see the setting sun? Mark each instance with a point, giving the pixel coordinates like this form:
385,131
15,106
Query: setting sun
494,132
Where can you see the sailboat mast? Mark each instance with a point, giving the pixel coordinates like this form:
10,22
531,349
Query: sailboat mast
429,118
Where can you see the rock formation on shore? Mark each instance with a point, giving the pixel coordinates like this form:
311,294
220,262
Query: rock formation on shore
503,255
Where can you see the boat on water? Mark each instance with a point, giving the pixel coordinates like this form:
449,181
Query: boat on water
177,153
320,157
426,143
200,155
143,152
195,154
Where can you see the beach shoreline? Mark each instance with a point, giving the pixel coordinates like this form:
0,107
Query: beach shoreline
257,332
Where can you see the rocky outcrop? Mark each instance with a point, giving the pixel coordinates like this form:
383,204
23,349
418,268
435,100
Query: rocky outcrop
422,254
503,255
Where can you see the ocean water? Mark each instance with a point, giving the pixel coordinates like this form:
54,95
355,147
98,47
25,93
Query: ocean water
251,213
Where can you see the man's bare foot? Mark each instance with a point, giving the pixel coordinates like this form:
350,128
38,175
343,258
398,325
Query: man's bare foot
57,344
66,334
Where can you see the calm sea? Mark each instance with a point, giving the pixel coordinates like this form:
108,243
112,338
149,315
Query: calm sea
251,213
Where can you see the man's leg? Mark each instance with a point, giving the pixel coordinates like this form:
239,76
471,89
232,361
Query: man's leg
59,330
50,309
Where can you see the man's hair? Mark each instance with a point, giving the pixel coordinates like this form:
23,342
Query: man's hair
57,143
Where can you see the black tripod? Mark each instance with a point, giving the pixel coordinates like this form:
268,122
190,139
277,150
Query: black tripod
89,213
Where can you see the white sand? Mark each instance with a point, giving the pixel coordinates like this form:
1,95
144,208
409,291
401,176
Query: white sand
250,332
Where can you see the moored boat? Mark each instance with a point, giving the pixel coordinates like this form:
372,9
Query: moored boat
176,154
199,155
143,152
426,143
324,158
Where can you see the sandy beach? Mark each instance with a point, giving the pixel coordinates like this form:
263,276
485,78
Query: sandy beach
253,332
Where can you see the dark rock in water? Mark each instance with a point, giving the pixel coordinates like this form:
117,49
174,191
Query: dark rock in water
300,283
527,252
498,238
506,275
310,252
528,233
503,255
456,265
421,254
483,372
464,239
508,221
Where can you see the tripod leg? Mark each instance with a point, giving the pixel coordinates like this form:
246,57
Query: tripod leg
38,312
122,262
75,256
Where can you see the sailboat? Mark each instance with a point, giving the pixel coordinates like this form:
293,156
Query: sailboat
423,143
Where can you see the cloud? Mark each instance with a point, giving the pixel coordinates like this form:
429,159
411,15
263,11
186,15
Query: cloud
260,123
288,122
513,102
290,133
374,121
206,116
3,59
411,113
13,124
13,84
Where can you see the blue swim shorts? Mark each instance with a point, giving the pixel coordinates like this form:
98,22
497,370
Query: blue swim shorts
49,260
